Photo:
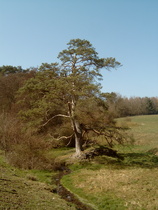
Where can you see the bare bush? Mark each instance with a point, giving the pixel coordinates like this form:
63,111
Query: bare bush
23,149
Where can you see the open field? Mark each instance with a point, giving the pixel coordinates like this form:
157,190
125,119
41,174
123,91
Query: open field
108,183
144,129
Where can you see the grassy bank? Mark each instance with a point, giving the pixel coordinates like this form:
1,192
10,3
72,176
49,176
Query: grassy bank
31,190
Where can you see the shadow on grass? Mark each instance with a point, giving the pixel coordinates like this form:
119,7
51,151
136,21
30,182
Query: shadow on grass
132,159
144,160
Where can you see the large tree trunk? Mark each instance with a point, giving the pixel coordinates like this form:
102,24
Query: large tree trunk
76,128
78,137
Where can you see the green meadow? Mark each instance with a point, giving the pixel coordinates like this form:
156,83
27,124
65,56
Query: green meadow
131,183
143,128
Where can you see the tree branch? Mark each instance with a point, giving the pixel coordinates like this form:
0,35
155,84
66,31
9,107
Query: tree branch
58,115
65,137
109,135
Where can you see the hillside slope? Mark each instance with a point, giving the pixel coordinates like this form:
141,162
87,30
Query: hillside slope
18,192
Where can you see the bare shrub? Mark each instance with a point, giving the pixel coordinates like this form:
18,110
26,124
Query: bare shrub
22,148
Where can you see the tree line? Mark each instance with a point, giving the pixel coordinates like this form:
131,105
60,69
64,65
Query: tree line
122,106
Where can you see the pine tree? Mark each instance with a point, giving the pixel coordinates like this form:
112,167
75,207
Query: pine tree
58,90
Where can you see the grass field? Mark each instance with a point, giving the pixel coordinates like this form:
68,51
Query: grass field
108,183
103,183
144,129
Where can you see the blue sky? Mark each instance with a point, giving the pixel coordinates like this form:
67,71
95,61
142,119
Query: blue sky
35,31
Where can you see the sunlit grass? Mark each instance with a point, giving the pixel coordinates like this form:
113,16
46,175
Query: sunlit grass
134,188
143,128
130,183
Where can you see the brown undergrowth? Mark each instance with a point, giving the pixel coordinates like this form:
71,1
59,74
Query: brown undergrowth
22,148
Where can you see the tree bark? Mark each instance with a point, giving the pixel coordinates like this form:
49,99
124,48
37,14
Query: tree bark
76,128
78,137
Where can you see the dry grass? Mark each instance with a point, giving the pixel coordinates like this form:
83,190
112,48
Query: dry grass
136,187
131,184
